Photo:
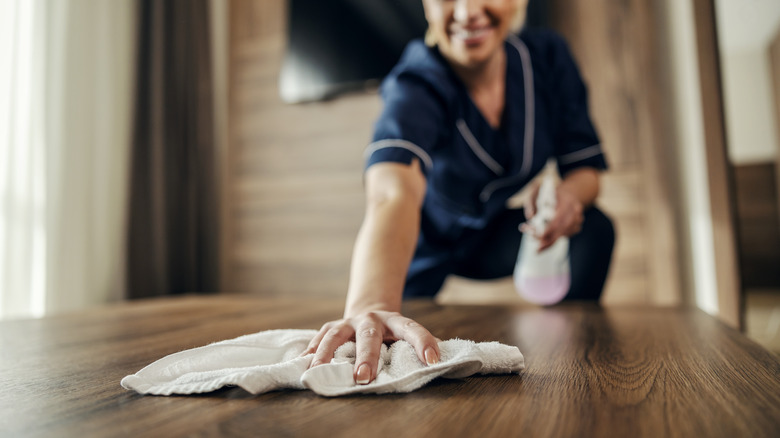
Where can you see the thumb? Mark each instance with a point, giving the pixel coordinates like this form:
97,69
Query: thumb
528,210
529,206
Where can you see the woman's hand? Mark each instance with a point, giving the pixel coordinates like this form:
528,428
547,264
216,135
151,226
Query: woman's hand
567,220
383,250
369,330
579,189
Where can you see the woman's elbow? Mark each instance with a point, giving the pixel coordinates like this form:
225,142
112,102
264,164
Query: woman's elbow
395,183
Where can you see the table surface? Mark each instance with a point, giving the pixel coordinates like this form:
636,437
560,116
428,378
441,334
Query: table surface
589,372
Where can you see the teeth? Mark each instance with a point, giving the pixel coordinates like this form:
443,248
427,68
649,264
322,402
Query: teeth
465,34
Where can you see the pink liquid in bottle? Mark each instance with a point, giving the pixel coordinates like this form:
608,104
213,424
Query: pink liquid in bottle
544,291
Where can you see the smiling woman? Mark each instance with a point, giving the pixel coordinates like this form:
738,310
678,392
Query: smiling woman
468,122
277,147
468,38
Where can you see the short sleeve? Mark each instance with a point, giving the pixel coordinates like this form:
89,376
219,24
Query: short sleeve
410,124
577,143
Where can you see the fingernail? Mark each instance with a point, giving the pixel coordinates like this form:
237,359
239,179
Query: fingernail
363,375
314,363
430,356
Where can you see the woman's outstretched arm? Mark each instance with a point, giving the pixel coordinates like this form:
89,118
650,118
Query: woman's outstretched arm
383,251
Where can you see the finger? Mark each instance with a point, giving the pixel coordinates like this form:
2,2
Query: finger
573,229
549,237
315,341
529,206
577,224
335,337
528,228
528,210
571,226
552,232
422,340
544,245
368,341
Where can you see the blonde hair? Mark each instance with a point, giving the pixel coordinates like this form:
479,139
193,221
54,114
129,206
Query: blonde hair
430,40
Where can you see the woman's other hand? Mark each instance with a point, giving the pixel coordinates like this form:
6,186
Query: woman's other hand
369,330
567,220
577,191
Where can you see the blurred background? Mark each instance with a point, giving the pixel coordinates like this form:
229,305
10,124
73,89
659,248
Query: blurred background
162,147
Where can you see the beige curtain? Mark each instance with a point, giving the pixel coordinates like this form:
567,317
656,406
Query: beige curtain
65,100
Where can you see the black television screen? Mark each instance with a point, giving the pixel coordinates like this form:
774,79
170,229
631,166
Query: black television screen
335,46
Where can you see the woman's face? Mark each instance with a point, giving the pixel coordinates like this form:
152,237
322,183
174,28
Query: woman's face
470,32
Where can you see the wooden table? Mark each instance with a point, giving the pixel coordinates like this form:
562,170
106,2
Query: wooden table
590,372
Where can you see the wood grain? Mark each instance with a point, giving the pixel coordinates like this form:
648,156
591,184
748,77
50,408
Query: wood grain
635,372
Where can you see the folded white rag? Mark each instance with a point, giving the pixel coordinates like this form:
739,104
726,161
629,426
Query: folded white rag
271,360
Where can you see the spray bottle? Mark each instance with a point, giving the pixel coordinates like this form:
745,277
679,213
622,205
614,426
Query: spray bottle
542,277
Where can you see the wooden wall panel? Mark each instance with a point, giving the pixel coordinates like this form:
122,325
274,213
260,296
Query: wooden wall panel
295,186
615,45
296,191
774,70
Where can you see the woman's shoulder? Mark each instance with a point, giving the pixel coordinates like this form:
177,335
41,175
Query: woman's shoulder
422,66
420,59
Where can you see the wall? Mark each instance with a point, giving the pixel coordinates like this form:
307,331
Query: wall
293,196
745,31
617,47
745,34
750,113
693,212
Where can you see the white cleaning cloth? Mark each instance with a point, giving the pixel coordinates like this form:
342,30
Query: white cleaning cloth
271,360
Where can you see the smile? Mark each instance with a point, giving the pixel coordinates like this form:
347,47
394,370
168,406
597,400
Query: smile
472,36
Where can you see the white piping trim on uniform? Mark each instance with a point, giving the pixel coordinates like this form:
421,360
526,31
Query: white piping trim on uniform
528,77
582,154
528,140
486,159
399,143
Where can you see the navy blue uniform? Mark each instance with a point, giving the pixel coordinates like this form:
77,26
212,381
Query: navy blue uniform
472,168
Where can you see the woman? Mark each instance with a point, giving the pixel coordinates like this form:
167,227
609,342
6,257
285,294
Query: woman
470,118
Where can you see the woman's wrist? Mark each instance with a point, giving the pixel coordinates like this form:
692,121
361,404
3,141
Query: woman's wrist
582,185
355,309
